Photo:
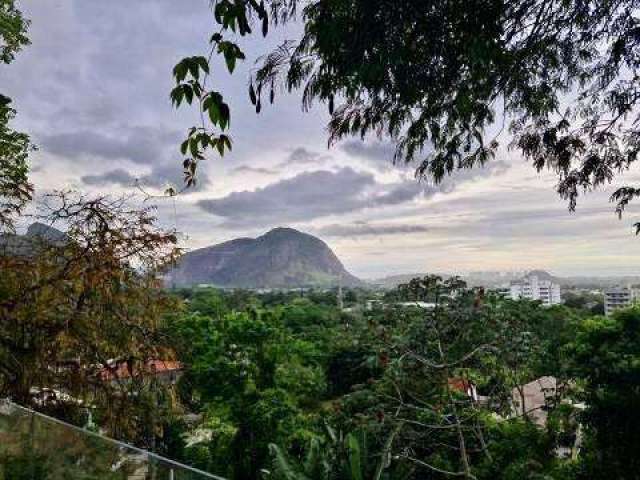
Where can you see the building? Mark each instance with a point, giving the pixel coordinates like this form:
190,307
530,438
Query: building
423,305
534,398
165,371
618,297
532,287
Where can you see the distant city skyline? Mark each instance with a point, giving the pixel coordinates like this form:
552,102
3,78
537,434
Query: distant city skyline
93,91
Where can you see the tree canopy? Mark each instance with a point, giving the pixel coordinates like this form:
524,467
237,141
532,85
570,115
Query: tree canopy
75,306
15,190
443,79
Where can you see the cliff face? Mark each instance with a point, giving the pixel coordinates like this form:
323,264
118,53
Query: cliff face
283,257
26,245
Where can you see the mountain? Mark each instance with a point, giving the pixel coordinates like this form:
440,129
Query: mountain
45,232
26,245
281,258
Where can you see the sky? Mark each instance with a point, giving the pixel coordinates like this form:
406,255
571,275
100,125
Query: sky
93,92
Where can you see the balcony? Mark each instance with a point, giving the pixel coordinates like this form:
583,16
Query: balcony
35,446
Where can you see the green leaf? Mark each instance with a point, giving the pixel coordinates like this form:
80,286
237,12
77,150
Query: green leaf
225,116
188,93
202,63
193,146
385,458
194,70
177,94
214,113
180,70
283,468
354,457
230,59
226,141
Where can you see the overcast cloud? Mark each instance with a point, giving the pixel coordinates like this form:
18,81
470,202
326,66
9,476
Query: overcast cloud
93,91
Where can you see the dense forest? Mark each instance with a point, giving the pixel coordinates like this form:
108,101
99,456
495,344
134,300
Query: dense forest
288,386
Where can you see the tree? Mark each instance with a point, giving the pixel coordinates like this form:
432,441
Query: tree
338,457
76,305
606,365
436,77
254,382
13,29
448,373
15,190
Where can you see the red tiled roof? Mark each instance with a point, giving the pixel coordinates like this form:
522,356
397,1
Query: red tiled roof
460,384
153,367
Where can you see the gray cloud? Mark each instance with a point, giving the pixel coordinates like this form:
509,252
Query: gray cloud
403,192
304,197
364,229
316,194
259,170
143,145
153,148
379,154
160,176
119,176
302,155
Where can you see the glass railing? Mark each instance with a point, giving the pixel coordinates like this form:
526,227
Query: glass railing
37,447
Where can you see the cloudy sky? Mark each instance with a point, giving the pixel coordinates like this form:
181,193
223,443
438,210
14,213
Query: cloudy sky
93,90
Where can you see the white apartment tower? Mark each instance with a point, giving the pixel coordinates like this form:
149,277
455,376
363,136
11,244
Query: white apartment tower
616,298
533,288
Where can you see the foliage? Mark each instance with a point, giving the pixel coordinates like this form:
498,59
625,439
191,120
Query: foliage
285,386
13,29
521,450
438,76
74,307
340,457
268,379
606,361
15,190
433,361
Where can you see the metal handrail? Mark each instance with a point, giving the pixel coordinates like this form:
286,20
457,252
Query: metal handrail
154,456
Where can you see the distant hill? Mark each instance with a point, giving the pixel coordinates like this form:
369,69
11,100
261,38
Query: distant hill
26,245
493,279
392,281
281,258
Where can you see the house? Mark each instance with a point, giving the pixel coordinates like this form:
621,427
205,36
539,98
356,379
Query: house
532,399
165,371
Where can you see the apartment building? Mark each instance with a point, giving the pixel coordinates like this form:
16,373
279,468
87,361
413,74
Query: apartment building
531,287
618,297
